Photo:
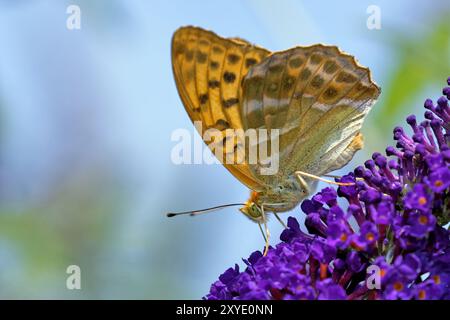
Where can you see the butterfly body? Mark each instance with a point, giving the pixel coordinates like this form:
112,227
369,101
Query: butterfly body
314,97
284,195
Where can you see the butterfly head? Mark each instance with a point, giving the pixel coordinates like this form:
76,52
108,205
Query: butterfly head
252,211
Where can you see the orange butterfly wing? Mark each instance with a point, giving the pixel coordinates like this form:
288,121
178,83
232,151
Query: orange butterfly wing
209,71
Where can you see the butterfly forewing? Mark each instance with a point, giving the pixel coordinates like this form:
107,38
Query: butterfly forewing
208,72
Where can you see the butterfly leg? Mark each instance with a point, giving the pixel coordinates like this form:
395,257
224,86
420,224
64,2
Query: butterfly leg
262,231
340,177
303,182
279,219
266,248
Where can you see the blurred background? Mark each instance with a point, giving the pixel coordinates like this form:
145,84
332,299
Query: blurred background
86,118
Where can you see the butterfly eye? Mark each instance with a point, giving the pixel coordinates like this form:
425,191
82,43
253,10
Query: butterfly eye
254,211
251,210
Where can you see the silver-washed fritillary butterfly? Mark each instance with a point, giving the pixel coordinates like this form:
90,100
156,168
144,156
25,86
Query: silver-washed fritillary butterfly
317,96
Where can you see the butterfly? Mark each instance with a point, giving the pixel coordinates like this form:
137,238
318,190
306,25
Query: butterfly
317,97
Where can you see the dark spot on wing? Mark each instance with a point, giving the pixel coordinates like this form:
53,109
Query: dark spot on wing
222,124
330,93
201,57
295,62
180,48
254,87
345,77
317,82
305,74
229,77
189,55
213,84
217,49
288,82
203,98
316,58
361,87
277,68
233,58
330,67
214,65
230,102
249,62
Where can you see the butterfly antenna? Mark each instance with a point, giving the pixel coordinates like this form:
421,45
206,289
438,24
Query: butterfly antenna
301,173
197,212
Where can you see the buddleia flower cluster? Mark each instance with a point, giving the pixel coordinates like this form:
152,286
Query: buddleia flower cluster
389,241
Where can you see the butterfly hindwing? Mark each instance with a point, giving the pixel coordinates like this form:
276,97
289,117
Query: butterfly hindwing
338,96
318,98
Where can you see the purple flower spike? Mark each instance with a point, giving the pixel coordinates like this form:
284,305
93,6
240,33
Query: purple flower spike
394,220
